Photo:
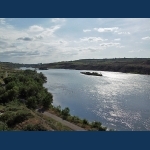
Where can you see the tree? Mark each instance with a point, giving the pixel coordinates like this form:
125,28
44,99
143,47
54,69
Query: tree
98,126
46,102
10,85
2,90
65,112
31,102
58,108
13,94
85,121
7,80
3,126
44,78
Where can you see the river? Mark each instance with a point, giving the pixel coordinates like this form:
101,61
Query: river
120,101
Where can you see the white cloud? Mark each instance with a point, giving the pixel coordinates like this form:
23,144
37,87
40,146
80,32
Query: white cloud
92,49
146,38
35,28
124,33
86,30
2,21
92,39
39,38
109,44
83,49
11,34
113,29
56,20
62,42
2,37
136,51
117,39
120,46
49,31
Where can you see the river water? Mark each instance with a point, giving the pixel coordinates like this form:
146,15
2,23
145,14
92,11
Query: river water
120,101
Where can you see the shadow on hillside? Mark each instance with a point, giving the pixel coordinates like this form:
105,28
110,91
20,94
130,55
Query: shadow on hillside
41,110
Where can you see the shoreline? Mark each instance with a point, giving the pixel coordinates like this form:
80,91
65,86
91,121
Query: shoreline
83,123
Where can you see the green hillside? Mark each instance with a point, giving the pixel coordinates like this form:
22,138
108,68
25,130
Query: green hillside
126,65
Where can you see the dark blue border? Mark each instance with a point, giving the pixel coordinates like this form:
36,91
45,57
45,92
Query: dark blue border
74,140
75,8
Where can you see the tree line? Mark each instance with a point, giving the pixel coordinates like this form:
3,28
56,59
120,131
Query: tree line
26,87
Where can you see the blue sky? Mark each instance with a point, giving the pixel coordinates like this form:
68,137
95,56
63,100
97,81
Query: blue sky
44,40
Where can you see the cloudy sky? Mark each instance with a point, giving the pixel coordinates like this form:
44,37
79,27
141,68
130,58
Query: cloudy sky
29,40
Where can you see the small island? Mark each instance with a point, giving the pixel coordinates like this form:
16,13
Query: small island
43,68
92,73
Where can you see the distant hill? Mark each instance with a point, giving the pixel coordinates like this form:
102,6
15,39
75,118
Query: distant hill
126,65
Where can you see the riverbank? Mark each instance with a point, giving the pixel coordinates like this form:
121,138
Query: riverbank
110,99
83,123
24,90
20,93
125,65
64,122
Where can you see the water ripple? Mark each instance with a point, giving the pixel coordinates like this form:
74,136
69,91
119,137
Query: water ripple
120,101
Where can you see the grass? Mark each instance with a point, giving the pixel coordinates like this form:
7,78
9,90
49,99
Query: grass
90,126
54,124
4,69
17,117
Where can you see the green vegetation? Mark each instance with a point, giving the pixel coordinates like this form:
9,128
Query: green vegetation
43,68
126,65
92,73
16,116
21,93
26,86
65,114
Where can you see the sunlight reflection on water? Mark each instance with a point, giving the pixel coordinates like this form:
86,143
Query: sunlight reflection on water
120,101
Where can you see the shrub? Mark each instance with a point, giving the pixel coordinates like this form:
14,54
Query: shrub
65,112
12,118
98,126
47,100
58,108
31,102
36,127
3,126
85,122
